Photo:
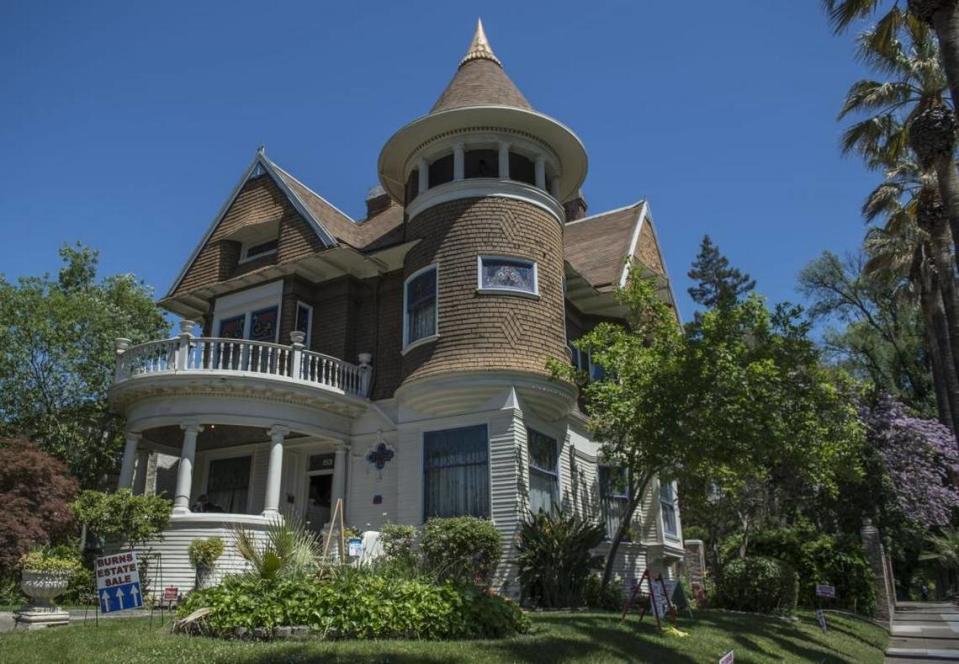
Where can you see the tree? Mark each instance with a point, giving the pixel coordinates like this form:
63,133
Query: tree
741,405
879,332
920,458
57,359
35,494
717,282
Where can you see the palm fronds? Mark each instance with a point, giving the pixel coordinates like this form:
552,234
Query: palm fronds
285,549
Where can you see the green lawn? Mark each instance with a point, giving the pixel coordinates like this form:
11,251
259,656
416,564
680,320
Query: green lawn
556,637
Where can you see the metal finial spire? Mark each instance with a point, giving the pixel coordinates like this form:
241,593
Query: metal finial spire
479,47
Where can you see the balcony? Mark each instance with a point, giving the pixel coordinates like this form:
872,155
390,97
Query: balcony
239,357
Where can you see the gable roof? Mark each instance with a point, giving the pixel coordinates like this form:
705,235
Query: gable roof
314,216
480,80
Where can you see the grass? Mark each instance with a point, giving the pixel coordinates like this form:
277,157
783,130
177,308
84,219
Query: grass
556,637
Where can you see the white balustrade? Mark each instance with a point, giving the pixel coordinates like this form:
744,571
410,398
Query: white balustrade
238,356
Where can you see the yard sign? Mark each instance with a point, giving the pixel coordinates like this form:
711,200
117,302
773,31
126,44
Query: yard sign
825,590
118,582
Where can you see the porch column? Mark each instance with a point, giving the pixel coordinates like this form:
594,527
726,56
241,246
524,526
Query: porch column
540,172
184,476
503,160
459,161
129,458
338,489
274,473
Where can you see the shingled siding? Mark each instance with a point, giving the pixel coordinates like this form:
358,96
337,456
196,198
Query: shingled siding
488,331
259,201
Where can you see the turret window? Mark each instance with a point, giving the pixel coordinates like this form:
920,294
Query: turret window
521,169
509,275
481,164
441,171
420,311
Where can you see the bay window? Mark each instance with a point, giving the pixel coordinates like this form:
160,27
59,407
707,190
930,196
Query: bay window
667,502
456,473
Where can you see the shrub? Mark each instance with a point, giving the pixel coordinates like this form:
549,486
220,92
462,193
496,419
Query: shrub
46,559
121,517
555,557
35,494
818,558
763,585
358,603
290,549
398,541
611,599
462,549
205,552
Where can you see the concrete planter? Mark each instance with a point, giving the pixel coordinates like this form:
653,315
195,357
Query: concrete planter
204,577
42,588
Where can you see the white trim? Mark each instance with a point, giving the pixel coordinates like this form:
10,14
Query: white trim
260,159
300,182
633,242
504,290
483,188
605,212
419,342
245,302
407,344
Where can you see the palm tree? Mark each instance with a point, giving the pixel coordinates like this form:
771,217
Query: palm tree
902,252
941,15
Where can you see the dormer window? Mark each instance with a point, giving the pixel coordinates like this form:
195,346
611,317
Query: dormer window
258,249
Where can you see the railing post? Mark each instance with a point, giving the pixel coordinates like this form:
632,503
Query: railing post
183,353
121,345
297,338
365,373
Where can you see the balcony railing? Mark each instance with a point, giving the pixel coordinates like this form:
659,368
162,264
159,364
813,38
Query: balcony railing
198,355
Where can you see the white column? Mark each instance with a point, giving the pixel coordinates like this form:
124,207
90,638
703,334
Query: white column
184,476
459,161
424,170
503,161
338,490
140,471
129,458
555,187
540,172
274,473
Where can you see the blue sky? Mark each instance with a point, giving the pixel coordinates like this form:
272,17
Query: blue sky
125,125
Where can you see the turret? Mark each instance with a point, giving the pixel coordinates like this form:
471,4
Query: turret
483,178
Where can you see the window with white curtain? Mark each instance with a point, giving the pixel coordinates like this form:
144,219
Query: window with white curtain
614,494
543,472
420,306
667,501
456,472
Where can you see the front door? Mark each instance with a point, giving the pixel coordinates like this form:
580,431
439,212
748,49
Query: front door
319,491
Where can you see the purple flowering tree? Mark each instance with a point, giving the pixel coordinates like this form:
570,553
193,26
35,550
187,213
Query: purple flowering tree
921,458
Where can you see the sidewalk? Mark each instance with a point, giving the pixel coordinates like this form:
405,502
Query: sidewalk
79,615
924,631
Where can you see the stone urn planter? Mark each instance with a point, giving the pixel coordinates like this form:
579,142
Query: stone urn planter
42,587
204,576
204,554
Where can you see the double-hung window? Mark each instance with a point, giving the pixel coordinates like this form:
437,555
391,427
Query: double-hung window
614,493
543,472
456,472
667,502
508,275
420,315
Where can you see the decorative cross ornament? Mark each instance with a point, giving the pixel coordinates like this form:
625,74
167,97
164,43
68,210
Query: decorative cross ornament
380,455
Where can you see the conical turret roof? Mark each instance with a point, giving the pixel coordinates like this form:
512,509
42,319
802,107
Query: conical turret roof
480,80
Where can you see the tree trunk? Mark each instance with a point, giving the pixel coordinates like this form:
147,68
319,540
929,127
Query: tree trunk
948,181
945,21
940,350
945,274
635,499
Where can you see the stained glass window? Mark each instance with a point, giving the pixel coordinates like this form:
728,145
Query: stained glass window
421,306
232,328
304,319
263,324
513,274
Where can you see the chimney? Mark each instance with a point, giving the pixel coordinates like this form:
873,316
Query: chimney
377,200
575,207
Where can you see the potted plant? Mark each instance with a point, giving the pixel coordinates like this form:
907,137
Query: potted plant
204,554
45,575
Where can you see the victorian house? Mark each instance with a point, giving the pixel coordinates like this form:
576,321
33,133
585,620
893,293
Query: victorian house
398,362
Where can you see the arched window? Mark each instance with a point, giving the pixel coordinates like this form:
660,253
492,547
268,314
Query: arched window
521,169
441,171
481,164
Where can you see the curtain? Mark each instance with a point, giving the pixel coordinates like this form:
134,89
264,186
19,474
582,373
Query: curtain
614,493
421,306
228,485
543,472
456,472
